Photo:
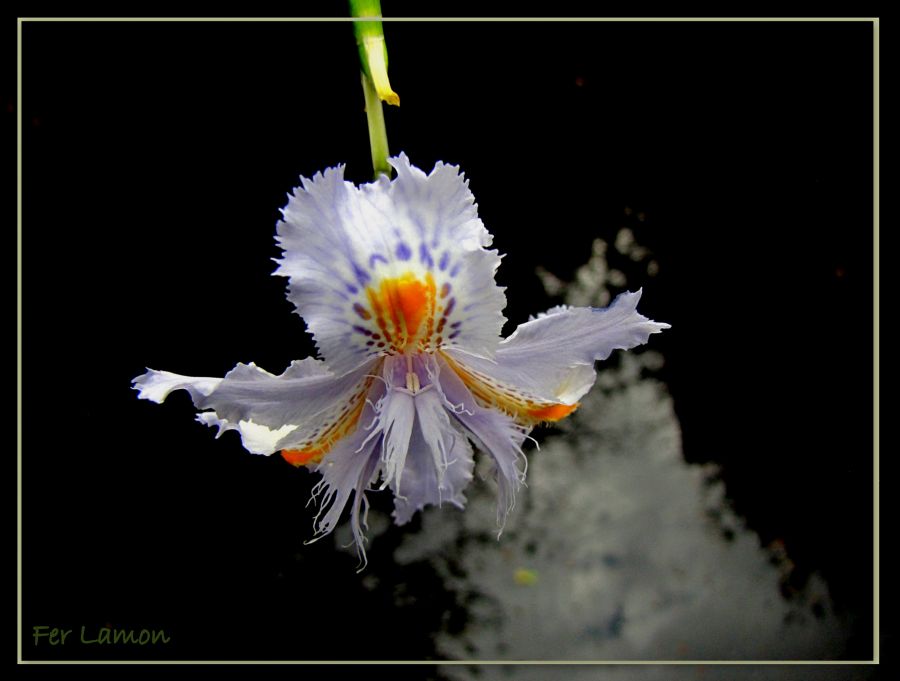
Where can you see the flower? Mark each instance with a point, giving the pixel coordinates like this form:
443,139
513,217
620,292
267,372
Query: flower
396,284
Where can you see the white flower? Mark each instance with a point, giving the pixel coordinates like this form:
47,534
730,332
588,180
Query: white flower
397,286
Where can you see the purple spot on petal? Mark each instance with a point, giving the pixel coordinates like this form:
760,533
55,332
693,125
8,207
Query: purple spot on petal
364,331
361,275
445,260
455,269
375,258
455,325
352,289
361,311
403,251
454,334
425,256
450,305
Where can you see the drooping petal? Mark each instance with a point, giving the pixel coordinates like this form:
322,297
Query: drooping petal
405,378
396,418
352,466
391,266
495,433
305,409
439,464
541,371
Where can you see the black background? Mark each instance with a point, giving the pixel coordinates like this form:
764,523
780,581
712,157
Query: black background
156,157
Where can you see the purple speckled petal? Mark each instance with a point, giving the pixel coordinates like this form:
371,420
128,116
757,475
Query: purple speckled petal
342,242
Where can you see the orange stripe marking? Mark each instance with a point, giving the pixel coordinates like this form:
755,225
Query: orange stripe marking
525,409
316,451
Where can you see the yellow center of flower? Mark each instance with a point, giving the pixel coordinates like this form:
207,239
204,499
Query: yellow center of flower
404,309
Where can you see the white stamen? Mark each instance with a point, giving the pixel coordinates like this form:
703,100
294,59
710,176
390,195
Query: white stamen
412,379
412,382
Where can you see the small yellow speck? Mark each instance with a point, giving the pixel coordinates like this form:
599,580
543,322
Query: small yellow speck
525,577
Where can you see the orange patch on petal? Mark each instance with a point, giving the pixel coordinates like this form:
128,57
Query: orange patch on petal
404,310
553,412
299,457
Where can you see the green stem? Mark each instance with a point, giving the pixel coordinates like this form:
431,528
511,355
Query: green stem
376,86
377,130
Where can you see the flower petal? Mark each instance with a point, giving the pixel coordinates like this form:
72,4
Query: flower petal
390,266
351,467
306,407
439,464
438,214
397,414
495,433
541,371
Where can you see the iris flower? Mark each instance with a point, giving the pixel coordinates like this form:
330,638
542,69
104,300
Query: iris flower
396,284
